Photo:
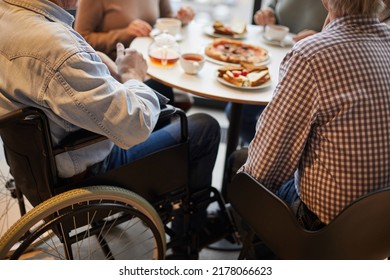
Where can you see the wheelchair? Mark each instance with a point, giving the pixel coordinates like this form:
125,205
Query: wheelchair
125,213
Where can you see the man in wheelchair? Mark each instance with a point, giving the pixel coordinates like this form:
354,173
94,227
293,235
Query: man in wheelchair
52,68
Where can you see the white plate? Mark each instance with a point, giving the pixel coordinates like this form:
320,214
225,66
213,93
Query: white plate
209,30
223,63
222,81
286,42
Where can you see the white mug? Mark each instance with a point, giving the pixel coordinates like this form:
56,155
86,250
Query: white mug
276,32
169,25
192,63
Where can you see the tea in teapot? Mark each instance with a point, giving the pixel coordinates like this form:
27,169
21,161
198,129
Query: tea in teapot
164,51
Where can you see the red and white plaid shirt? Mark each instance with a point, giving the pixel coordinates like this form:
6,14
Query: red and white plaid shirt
329,119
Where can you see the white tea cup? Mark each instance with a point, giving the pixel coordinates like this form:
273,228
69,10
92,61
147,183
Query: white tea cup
169,25
276,32
192,63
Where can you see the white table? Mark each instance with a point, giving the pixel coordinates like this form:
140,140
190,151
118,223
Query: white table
204,84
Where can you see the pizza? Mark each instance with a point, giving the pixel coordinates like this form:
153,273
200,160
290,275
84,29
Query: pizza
234,52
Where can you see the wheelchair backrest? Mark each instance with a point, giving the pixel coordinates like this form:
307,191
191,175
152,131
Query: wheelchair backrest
28,152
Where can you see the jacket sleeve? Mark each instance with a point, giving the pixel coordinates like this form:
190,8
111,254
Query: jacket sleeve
84,94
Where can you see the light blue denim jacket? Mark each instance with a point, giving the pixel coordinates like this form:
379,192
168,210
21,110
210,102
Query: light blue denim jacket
46,64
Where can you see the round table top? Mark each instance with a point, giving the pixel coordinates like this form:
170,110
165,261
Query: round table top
194,39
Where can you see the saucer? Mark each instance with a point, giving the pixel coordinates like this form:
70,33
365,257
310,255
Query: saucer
286,42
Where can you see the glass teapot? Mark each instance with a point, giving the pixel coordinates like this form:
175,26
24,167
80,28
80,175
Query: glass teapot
164,51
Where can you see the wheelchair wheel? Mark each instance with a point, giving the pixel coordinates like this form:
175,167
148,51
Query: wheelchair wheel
99,222
13,205
11,209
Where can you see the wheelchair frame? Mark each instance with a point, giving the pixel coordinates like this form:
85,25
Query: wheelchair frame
123,194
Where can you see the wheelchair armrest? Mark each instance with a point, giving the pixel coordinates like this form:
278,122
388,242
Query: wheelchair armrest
78,140
167,111
83,138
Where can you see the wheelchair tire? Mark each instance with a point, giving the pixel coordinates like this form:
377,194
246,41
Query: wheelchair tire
11,208
99,222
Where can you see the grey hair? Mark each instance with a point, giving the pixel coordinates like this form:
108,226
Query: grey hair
356,7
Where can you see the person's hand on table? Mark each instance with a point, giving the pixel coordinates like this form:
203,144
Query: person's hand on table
139,28
265,16
130,63
185,14
303,34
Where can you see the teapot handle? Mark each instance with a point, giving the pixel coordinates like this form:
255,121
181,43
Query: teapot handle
164,56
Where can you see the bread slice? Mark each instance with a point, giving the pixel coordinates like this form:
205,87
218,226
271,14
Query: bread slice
251,67
226,68
253,76
220,28
258,78
239,28
234,29
237,81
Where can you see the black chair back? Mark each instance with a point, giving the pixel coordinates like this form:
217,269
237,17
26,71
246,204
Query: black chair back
360,231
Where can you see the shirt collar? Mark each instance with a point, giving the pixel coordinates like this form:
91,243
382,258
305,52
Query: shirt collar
352,20
45,8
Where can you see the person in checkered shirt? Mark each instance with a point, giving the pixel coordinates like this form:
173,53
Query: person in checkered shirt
324,139
385,15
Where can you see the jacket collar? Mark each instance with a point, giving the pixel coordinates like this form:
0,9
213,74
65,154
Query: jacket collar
46,8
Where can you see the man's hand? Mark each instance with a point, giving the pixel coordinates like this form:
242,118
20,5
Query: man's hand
185,14
265,16
303,34
139,28
130,64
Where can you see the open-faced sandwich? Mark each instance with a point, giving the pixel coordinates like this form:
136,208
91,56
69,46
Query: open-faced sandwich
230,30
244,75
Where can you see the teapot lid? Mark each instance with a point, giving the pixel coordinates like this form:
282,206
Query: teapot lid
165,39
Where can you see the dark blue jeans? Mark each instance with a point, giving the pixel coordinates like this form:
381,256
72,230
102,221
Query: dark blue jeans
305,217
204,137
288,193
